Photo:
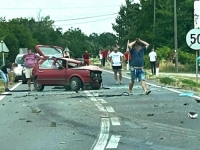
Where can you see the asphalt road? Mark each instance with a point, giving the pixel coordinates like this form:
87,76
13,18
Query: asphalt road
95,120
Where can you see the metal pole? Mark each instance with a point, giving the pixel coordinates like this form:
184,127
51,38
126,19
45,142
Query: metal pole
175,36
196,67
154,21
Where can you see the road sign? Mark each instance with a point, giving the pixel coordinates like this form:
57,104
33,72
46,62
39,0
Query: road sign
193,39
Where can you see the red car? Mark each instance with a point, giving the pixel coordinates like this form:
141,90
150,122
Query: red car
55,70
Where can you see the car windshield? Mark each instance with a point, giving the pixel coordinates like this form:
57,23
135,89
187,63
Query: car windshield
72,65
49,51
19,60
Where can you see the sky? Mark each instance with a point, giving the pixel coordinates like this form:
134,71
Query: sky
98,14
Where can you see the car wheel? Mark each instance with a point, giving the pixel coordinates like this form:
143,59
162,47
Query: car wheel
75,84
38,87
67,87
24,80
16,79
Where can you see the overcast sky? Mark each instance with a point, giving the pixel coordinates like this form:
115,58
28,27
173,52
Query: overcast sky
106,10
99,14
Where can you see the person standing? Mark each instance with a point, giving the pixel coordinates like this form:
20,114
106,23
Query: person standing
4,74
137,63
116,59
153,57
104,56
30,60
66,54
100,58
86,57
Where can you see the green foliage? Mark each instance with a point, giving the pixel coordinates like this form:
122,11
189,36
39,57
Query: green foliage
189,82
167,80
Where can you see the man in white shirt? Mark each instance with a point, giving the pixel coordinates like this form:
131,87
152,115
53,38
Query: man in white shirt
116,59
153,56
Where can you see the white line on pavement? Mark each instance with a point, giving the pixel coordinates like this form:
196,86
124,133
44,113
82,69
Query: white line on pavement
115,121
110,109
100,107
104,135
169,89
102,101
114,140
2,97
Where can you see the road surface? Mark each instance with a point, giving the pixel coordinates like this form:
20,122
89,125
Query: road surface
96,120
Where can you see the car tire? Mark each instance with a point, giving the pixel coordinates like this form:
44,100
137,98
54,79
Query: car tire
38,87
24,80
67,88
75,84
16,79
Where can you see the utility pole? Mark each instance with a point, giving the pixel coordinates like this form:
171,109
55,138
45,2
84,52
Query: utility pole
175,37
154,21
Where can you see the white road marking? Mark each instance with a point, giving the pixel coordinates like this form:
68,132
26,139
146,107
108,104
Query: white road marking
115,121
93,99
104,135
100,107
110,109
102,101
2,96
169,89
114,141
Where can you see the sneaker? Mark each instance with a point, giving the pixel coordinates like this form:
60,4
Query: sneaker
121,82
147,92
116,82
7,90
130,93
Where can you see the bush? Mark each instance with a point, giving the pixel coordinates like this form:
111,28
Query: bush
167,80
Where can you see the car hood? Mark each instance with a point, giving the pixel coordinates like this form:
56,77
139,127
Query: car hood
47,50
92,68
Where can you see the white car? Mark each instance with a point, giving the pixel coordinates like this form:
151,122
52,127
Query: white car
18,70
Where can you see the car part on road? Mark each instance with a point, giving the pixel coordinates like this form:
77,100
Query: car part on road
75,84
38,87
192,115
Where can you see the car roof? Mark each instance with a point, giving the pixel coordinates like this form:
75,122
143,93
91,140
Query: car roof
69,60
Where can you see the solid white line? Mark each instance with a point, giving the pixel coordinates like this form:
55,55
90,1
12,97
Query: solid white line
114,141
115,121
2,96
169,89
110,109
104,134
102,101
93,99
100,107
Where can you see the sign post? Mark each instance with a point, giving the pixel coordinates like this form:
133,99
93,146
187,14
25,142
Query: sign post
3,49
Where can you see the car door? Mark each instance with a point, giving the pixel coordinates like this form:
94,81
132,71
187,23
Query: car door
50,74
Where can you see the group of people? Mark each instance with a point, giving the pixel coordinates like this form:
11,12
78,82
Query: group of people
134,56
29,59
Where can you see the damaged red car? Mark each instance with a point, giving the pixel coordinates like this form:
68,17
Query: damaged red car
55,70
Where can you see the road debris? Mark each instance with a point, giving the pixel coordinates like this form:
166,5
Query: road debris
150,114
53,124
28,121
186,104
198,100
62,142
192,115
22,118
186,94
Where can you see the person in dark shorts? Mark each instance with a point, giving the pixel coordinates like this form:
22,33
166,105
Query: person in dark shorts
116,59
137,63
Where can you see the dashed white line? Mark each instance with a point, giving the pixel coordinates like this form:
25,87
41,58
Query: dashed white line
110,109
115,121
102,101
100,107
114,141
103,136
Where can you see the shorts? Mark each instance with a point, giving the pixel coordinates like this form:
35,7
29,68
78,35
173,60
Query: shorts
4,76
28,73
137,74
87,62
117,68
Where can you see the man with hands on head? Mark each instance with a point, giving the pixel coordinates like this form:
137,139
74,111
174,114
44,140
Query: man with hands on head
137,49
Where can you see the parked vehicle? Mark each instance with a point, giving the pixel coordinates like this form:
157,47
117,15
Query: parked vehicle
55,70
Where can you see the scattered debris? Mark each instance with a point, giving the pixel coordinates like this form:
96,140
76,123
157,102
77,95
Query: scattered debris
28,121
182,121
161,138
186,104
16,112
78,140
187,94
36,97
192,115
36,111
22,118
53,124
3,104
198,100
169,112
150,114
62,142
144,128
155,105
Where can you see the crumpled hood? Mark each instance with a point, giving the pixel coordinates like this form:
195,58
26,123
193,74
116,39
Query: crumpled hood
93,68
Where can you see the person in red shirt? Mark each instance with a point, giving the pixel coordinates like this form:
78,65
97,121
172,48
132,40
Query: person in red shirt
104,54
86,57
127,57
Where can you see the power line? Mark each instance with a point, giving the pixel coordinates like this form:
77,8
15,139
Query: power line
85,22
60,8
85,17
